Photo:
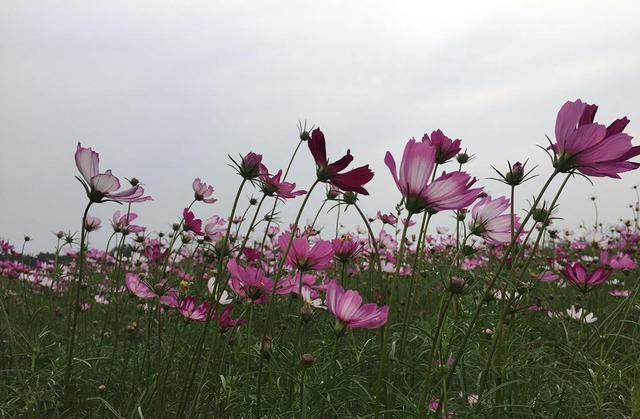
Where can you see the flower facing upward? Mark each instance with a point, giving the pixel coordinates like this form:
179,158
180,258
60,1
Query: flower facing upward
102,187
351,181
449,191
202,191
578,275
446,149
272,185
347,308
303,256
591,148
489,222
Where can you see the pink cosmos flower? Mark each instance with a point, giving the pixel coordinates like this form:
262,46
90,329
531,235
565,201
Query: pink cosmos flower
489,222
225,322
191,223
304,257
446,149
351,181
249,283
547,276
138,287
345,248
621,261
6,247
249,166
190,309
271,185
202,191
121,223
449,191
347,308
290,284
616,292
102,187
577,274
591,148
387,219
92,223
214,228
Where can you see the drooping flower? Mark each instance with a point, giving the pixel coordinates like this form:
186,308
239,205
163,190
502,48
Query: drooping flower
102,187
190,309
591,148
577,274
489,222
353,180
202,191
249,283
273,186
304,257
191,223
449,191
446,149
347,308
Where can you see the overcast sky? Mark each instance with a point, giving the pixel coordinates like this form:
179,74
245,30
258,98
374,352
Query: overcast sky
165,90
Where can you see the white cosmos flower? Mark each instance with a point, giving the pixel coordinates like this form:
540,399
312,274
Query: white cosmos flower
225,298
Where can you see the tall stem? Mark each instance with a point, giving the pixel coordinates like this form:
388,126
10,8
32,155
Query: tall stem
71,333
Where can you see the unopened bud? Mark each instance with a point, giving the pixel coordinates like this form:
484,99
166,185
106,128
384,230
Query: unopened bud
308,360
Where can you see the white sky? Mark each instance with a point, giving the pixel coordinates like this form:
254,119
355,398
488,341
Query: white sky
165,90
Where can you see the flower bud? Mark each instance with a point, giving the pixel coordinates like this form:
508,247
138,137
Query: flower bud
60,234
308,360
134,182
456,285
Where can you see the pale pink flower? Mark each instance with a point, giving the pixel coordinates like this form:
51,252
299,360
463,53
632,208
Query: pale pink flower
202,191
102,187
489,222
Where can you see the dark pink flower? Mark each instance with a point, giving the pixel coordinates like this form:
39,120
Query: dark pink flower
351,181
102,187
347,308
592,148
446,148
577,274
249,283
202,191
387,219
191,223
345,248
225,322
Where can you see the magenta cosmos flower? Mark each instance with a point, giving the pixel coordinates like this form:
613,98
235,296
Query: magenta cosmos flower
191,223
489,222
577,274
351,181
101,187
345,249
449,191
591,148
303,256
249,283
273,186
446,148
347,308
202,191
